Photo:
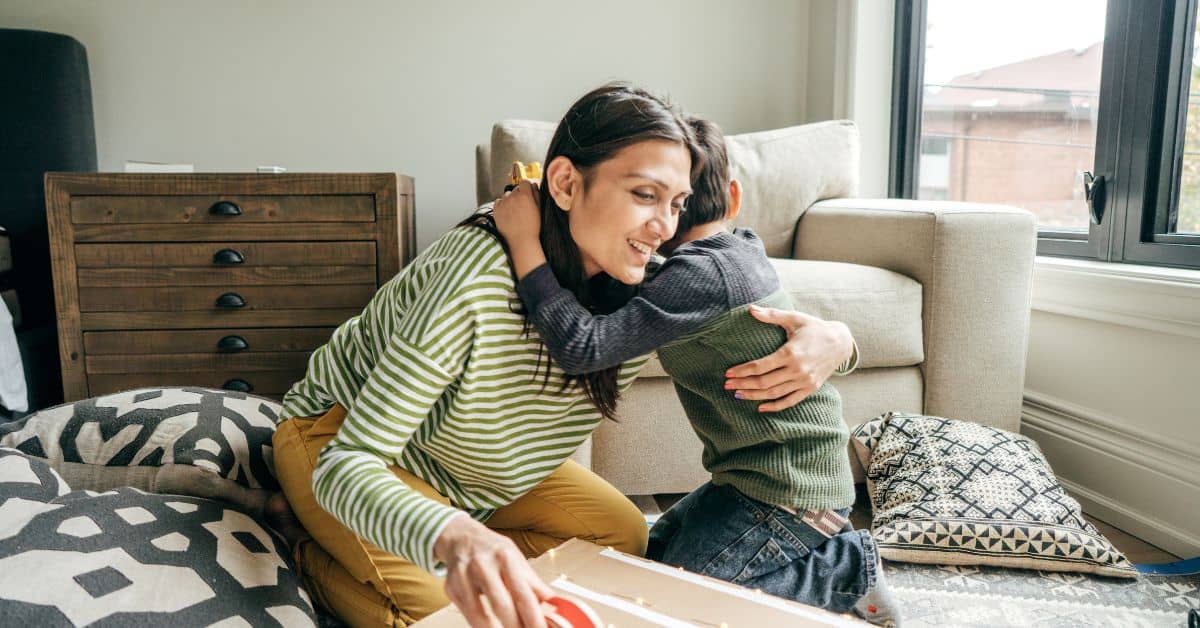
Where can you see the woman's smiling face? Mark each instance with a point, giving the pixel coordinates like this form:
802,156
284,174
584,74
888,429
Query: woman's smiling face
629,206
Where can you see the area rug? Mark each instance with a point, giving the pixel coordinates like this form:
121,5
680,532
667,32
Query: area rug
992,597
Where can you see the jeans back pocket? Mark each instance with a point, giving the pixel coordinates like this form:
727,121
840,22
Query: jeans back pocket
769,558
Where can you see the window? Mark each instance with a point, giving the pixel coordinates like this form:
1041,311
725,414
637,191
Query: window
1023,102
1186,217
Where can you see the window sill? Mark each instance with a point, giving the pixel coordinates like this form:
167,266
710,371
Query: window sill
1164,300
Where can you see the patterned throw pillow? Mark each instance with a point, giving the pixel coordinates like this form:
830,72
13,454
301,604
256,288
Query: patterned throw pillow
959,493
28,479
126,558
184,441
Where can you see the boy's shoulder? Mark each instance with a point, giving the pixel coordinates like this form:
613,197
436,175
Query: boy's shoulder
739,239
742,246
693,258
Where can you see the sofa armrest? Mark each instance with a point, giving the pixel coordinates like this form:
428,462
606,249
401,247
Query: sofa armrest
975,266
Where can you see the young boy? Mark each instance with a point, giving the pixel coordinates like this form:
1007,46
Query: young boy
774,515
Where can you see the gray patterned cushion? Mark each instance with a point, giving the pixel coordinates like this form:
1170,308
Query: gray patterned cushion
28,479
952,492
128,558
185,441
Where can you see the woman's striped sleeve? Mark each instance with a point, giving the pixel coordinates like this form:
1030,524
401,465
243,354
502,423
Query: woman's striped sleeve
352,480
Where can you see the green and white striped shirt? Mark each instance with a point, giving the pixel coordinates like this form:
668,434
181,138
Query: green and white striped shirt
439,377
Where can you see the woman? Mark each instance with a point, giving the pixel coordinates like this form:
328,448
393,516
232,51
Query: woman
430,436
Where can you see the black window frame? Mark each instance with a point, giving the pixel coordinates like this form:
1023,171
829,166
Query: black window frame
1140,125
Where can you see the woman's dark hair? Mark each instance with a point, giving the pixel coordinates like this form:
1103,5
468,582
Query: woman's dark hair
600,124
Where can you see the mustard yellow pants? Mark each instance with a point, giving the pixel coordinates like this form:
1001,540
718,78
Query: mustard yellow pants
366,586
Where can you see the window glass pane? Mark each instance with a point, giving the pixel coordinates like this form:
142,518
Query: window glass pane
1187,220
1009,104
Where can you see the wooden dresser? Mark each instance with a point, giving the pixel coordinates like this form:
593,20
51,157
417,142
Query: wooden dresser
216,280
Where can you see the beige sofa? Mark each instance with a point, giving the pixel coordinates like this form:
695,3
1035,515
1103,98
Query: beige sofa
936,293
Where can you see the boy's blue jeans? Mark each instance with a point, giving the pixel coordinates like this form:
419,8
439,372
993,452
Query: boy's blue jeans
717,531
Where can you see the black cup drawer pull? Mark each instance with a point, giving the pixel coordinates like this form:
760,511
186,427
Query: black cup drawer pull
238,384
225,208
231,300
232,343
228,256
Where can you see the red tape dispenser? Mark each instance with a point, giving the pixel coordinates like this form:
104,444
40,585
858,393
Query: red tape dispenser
568,612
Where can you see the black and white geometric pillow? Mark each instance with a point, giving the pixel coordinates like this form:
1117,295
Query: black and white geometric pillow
954,492
28,479
128,558
186,441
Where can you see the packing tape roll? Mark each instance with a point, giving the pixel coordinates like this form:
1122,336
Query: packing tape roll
572,613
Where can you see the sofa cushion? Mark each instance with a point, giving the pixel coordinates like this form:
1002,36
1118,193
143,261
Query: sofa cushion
188,441
783,171
882,308
959,493
867,393
126,558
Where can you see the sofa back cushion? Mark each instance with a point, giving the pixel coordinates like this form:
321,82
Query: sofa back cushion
783,171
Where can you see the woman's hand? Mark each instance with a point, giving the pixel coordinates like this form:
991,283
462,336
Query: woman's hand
814,350
483,564
519,220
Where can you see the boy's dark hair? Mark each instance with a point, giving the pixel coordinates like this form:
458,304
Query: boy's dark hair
710,200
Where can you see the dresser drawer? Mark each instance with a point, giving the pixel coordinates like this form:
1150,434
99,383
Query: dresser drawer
261,373
205,298
224,255
188,362
174,342
230,209
106,321
252,276
215,232
266,383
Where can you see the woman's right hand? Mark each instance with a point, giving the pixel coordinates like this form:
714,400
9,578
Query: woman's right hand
483,564
814,350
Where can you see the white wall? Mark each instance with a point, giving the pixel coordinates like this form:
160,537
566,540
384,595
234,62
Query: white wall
1110,393
381,85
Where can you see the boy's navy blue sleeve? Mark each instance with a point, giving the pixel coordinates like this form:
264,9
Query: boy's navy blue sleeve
686,293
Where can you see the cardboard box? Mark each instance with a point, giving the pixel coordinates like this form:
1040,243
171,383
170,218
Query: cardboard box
631,592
